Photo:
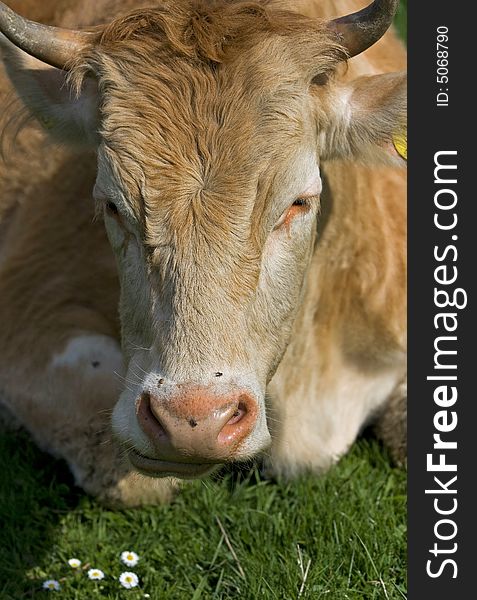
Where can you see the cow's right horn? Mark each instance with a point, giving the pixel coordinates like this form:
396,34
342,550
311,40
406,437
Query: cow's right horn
52,45
360,30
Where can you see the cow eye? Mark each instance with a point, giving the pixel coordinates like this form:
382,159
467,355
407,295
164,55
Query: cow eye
299,206
111,208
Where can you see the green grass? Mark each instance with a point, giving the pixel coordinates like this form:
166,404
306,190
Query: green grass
401,19
348,525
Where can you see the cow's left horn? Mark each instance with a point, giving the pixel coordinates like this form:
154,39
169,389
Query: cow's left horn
360,30
52,45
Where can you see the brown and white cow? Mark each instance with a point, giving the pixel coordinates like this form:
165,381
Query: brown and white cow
258,263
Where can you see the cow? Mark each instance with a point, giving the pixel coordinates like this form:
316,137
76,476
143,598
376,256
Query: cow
245,296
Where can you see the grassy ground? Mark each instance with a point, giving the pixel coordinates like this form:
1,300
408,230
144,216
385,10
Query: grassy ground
401,18
346,531
342,536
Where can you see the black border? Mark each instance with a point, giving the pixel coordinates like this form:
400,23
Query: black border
432,129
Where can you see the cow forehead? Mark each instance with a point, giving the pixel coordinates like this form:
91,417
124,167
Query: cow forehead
197,108
195,105
201,135
180,133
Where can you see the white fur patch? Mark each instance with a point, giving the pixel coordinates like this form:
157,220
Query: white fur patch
95,353
314,186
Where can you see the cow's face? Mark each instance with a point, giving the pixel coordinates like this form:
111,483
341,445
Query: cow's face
210,189
209,181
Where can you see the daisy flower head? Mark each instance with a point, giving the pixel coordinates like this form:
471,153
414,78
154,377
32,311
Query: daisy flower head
51,585
74,563
95,574
130,559
128,580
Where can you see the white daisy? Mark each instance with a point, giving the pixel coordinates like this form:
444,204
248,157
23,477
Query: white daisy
130,559
95,574
128,580
51,585
74,563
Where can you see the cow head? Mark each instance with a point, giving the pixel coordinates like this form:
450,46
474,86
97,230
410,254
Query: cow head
210,121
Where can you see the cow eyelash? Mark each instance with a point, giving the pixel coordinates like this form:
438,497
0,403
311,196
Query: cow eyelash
112,208
307,202
301,202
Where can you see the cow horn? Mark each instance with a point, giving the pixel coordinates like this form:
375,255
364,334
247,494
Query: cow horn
52,45
360,30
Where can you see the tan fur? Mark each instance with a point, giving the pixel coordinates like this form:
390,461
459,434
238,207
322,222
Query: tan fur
346,354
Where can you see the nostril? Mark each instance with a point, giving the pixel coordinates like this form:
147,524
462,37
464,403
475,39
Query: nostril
238,415
148,421
240,423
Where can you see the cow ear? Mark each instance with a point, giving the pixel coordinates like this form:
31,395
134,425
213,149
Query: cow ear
44,90
369,120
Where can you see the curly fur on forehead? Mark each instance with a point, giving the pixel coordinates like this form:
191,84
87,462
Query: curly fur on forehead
208,29
206,32
186,87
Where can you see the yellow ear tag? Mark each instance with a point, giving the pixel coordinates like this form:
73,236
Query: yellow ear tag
400,143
